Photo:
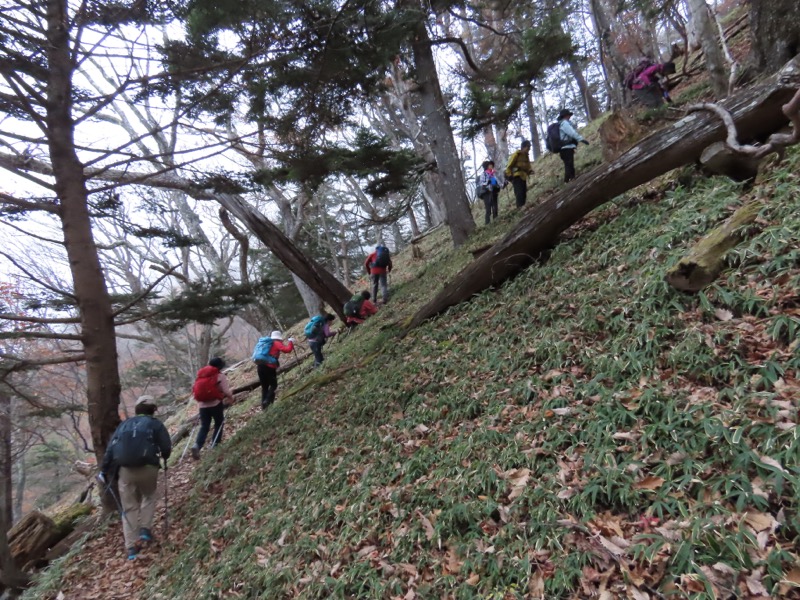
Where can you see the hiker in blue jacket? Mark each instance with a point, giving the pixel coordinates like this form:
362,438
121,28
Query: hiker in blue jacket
319,330
569,141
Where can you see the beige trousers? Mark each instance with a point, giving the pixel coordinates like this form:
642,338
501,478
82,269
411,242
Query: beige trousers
137,492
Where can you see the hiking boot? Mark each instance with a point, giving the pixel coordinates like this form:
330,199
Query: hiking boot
145,535
195,453
133,551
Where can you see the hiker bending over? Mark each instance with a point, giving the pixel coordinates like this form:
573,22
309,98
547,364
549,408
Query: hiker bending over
569,141
488,189
358,309
647,86
136,450
265,356
378,264
517,171
213,393
317,331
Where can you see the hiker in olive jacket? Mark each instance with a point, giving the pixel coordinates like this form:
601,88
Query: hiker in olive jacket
136,449
518,170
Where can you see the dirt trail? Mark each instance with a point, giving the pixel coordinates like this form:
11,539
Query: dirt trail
102,570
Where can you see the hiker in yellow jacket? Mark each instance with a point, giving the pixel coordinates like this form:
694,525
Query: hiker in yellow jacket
517,171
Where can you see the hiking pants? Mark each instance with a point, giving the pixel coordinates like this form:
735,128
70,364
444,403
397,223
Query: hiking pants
316,349
380,278
568,156
137,493
206,414
651,96
269,384
520,190
490,202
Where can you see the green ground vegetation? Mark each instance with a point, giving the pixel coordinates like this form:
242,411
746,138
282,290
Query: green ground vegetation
583,427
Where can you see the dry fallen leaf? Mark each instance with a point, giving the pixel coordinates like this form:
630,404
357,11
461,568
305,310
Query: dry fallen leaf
649,483
723,314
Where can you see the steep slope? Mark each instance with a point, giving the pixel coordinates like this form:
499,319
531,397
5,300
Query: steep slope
583,431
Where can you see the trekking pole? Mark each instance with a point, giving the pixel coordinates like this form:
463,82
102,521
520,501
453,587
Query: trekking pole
166,502
189,441
109,489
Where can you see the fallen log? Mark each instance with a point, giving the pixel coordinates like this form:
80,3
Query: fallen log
757,113
32,537
707,259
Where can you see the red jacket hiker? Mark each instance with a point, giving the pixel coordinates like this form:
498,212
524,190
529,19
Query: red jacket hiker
376,270
367,310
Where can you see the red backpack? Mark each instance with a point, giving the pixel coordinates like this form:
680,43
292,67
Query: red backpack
205,388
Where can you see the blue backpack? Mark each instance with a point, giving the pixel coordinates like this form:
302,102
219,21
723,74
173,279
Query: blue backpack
314,327
261,351
382,257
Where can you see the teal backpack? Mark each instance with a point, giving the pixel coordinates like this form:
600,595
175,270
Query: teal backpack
314,327
261,351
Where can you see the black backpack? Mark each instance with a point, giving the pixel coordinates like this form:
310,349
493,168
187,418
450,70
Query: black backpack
352,308
553,138
382,257
134,443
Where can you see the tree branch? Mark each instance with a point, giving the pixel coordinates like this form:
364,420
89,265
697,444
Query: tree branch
464,49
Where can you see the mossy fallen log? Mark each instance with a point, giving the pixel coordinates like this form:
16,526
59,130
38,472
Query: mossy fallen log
706,260
32,537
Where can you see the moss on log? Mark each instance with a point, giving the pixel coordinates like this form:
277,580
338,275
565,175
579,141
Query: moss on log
706,260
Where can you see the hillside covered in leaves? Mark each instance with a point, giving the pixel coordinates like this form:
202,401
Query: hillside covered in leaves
584,431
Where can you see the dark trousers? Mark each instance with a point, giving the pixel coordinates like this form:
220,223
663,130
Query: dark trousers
316,349
382,279
269,384
206,414
490,202
568,156
520,190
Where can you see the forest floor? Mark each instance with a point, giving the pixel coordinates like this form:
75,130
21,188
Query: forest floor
583,431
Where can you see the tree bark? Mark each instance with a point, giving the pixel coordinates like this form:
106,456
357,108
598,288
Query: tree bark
590,103
6,473
709,40
610,57
440,136
707,259
775,31
536,143
94,302
757,113
319,279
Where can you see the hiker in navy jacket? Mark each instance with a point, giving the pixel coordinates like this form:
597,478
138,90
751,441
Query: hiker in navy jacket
378,273
569,141
136,449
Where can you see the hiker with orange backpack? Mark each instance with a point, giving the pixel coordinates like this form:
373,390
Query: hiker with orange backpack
265,355
213,393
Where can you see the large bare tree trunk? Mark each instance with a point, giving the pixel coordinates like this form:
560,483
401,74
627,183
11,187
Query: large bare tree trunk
10,575
610,57
536,143
712,50
440,137
94,303
757,112
590,103
775,31
319,279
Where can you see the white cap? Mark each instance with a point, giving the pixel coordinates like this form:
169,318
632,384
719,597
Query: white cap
146,399
276,335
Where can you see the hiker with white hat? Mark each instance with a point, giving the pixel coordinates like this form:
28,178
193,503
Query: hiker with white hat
265,355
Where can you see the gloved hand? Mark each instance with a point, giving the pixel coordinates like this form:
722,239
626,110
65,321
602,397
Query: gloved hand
292,340
585,142
505,184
